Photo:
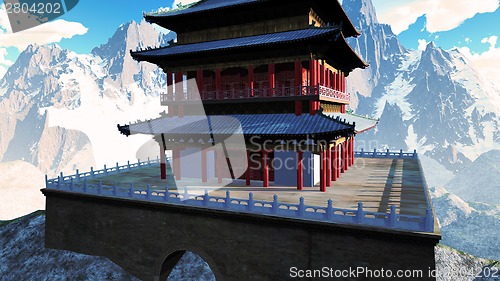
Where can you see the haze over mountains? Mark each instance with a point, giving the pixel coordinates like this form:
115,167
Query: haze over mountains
59,110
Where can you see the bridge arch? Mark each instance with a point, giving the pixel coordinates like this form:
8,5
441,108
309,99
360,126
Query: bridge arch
167,260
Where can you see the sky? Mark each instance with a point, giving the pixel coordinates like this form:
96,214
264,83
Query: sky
470,25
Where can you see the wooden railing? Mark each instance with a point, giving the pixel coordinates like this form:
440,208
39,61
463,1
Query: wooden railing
385,154
248,93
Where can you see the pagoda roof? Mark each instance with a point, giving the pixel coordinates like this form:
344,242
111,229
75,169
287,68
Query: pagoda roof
329,35
271,125
167,18
363,123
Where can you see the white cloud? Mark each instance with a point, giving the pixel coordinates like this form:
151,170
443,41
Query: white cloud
468,40
488,61
442,15
47,33
422,44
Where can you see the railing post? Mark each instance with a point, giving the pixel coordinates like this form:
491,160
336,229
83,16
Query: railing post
167,194
250,202
400,153
228,199
149,162
387,154
59,182
206,199
128,165
329,210
148,192
374,152
85,186
275,204
414,153
185,196
77,174
46,181
360,213
115,188
92,171
99,188
105,169
71,186
429,220
301,207
117,168
138,163
392,216
362,152
131,190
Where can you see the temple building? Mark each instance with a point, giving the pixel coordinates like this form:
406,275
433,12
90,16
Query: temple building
273,73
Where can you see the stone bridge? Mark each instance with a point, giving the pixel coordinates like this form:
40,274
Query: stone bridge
147,239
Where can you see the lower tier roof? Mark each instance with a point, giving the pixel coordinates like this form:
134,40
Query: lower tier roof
272,125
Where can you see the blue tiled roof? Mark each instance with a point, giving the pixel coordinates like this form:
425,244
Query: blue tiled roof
242,42
205,5
247,124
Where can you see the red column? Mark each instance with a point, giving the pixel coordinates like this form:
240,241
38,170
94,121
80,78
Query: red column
176,155
352,150
343,161
251,80
163,163
218,84
300,177
321,74
335,162
272,78
328,167
265,168
170,93
297,83
199,81
322,172
247,174
179,92
204,177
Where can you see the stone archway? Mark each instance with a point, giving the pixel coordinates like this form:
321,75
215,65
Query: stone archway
166,262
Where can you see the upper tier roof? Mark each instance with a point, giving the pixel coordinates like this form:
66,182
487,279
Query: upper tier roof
169,19
330,35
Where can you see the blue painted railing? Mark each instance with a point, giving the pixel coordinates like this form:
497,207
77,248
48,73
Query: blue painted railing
78,183
385,154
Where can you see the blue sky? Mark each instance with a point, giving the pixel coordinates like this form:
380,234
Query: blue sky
467,24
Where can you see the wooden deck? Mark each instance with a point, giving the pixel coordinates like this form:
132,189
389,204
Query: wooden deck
377,182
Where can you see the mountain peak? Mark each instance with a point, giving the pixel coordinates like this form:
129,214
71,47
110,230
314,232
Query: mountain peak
361,11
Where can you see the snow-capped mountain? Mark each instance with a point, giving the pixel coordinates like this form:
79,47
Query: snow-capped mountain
437,101
59,109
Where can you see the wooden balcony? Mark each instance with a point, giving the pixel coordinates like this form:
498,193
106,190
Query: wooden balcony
292,93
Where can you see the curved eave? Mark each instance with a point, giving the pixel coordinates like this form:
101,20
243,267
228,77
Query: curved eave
351,60
155,55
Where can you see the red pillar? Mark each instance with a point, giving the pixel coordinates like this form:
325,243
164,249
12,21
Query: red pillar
247,174
321,74
298,86
328,167
335,162
176,155
179,92
199,81
314,85
352,150
204,177
322,172
251,80
300,176
265,168
163,163
218,84
272,78
343,161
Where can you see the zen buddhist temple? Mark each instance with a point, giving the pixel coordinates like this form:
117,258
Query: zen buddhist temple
278,68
